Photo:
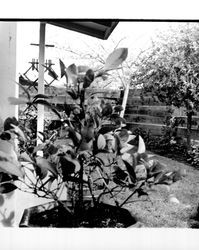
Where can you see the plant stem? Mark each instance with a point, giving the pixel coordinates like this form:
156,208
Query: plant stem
189,123
133,192
81,186
116,202
90,189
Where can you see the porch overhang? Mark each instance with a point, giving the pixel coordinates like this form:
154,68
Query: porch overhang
97,28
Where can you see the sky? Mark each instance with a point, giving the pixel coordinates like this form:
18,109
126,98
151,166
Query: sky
135,36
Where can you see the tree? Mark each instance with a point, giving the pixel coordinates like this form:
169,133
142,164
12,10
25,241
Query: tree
170,70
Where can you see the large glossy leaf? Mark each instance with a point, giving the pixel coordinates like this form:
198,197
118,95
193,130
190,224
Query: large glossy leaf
50,181
76,110
119,175
106,129
73,69
25,157
69,166
135,157
55,124
125,148
88,78
85,145
101,142
78,136
176,175
52,73
7,188
107,110
43,102
117,144
41,172
87,133
116,58
161,178
118,108
19,132
109,137
155,168
73,94
141,146
74,136
114,116
127,157
71,74
23,88
47,104
45,164
131,139
76,163
67,109
2,200
10,166
82,96
62,68
9,121
5,136
120,122
131,171
5,177
8,148
54,110
51,149
40,96
8,221
123,135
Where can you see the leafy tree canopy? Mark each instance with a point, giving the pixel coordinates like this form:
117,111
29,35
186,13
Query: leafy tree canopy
170,68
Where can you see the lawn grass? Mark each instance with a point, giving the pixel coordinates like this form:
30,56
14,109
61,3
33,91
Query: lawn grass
158,210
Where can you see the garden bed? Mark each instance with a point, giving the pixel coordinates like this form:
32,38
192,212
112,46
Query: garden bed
52,214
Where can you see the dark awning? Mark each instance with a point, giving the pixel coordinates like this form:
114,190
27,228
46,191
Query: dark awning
96,28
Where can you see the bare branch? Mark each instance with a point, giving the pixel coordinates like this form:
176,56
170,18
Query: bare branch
119,42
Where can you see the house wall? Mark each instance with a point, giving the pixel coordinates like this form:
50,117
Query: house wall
8,37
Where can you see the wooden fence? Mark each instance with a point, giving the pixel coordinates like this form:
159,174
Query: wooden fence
147,112
150,114
59,96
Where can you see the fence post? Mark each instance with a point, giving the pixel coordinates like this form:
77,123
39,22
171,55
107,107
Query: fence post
125,98
40,114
